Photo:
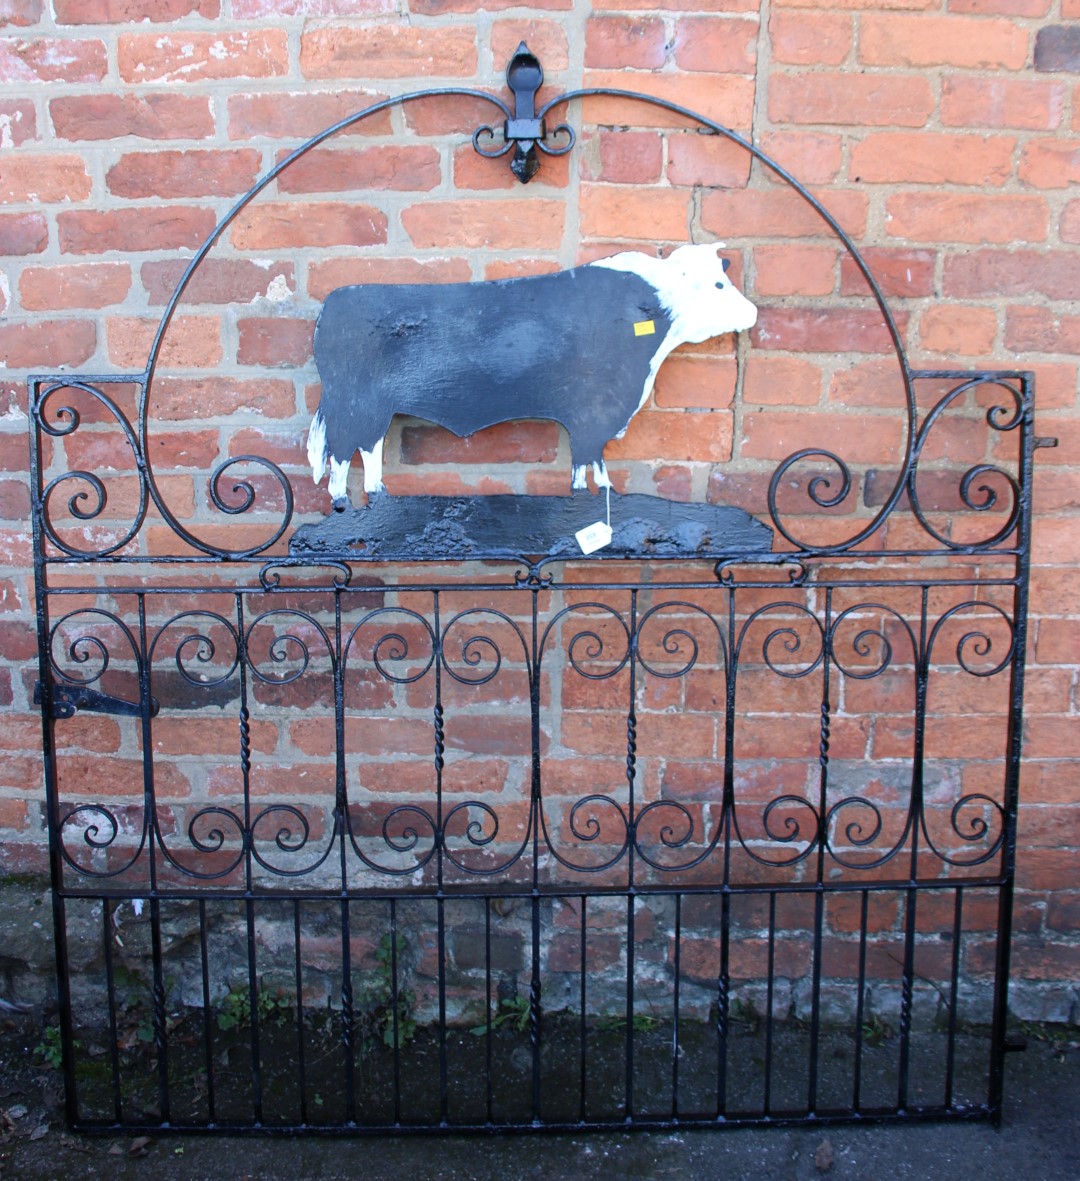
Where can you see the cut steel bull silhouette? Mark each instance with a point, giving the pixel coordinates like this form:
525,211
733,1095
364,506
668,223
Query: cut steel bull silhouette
581,347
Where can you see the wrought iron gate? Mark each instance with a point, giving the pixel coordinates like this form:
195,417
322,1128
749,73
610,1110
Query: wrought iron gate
685,837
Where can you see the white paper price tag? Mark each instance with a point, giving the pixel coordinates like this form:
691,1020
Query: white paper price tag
594,537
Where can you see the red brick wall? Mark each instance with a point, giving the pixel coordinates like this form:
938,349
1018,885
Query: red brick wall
943,134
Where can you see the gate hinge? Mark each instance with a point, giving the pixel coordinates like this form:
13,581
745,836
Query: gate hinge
67,700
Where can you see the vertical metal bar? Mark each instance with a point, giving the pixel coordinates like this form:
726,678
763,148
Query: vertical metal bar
208,1037
535,804
675,1002
488,1090
769,994
395,1009
1014,745
249,905
253,993
860,1004
150,812
298,978
583,1031
110,987
954,993
821,837
440,839
631,866
347,1015
444,1090
628,1100
727,821
907,977
49,760
723,983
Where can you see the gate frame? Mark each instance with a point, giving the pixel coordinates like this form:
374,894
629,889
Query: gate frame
525,134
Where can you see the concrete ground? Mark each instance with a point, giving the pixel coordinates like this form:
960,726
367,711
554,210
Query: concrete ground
1040,1139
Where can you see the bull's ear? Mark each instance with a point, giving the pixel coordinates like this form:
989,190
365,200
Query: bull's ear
726,264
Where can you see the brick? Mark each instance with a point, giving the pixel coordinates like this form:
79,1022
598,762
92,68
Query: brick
707,160
638,214
790,381
473,171
107,12
857,5
1057,48
336,170
889,157
189,399
721,6
858,438
811,157
614,42
18,123
83,285
520,268
1070,222
183,174
20,12
901,39
794,270
52,59
809,39
716,45
274,341
1001,102
23,233
324,223
294,115
696,383
45,344
1001,273
1051,164
726,99
40,178
96,451
958,330
324,277
676,436
200,57
218,281
253,9
512,442
822,330
1058,641
172,227
112,116
1040,330
189,342
388,51
623,157
852,100
975,218
441,7
546,38
898,272
779,213
492,224
1023,8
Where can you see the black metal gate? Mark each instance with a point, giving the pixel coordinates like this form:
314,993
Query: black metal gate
683,837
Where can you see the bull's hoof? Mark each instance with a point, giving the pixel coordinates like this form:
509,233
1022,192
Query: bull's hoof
342,504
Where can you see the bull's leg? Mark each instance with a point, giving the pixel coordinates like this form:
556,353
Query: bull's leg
339,476
373,481
599,472
579,471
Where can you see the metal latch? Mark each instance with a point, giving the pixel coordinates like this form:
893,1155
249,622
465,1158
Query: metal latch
67,700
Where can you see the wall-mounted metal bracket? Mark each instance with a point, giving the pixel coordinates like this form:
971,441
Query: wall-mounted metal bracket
67,700
524,131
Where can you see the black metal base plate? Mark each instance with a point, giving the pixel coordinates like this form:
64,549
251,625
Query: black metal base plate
404,528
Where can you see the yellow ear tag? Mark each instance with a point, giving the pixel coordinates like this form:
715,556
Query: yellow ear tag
645,328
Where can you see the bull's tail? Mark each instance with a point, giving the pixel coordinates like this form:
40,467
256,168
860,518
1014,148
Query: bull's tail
317,450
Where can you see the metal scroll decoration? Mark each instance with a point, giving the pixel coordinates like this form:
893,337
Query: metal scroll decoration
518,375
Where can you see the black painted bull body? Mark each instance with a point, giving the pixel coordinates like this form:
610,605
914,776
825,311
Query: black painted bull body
581,347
